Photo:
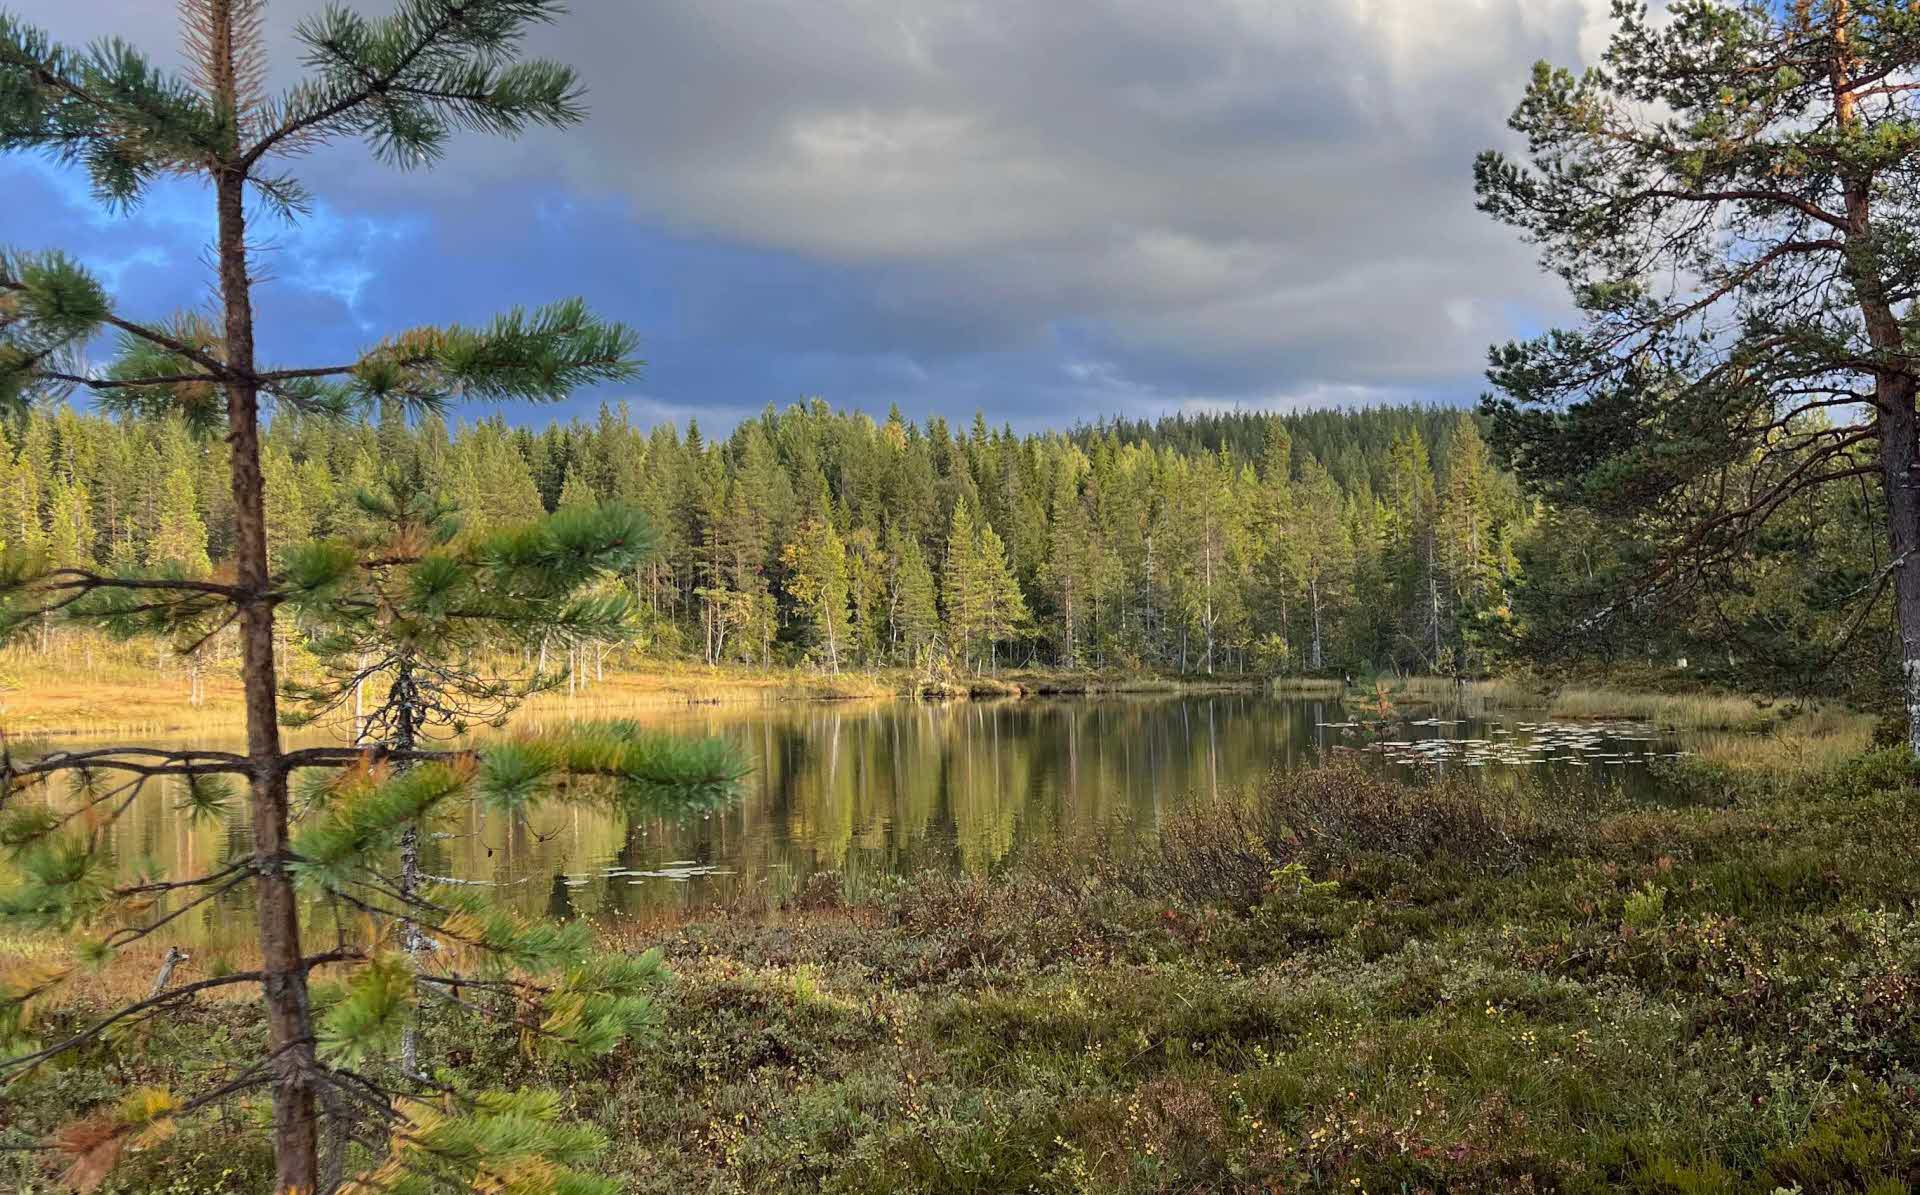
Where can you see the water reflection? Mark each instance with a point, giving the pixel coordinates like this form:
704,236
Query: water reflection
867,789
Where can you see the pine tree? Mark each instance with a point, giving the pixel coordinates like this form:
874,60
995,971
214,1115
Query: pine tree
421,640
405,84
1728,202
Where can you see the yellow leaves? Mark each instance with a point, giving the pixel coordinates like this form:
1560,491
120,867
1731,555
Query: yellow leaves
566,1011
22,980
369,769
464,927
377,1181
414,1123
418,344
145,1105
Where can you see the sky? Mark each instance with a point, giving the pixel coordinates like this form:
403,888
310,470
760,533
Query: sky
1047,211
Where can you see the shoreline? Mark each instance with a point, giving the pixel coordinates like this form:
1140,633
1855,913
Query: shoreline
60,707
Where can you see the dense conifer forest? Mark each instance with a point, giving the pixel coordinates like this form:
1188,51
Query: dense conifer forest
1331,542
1218,543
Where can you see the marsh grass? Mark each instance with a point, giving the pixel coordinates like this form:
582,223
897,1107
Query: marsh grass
90,687
1332,982
1682,711
1305,686
1809,742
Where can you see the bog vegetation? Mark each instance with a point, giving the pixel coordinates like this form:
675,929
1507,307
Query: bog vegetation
1335,981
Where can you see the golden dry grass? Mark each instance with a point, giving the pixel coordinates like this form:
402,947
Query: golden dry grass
1804,743
125,977
1685,711
1304,686
149,708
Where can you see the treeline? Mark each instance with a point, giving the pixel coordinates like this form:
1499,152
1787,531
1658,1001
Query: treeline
1310,542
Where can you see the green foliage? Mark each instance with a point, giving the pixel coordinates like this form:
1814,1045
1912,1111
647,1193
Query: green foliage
542,356
407,82
366,813
1644,908
1713,447
394,593
106,110
58,881
206,798
366,1017
1442,1013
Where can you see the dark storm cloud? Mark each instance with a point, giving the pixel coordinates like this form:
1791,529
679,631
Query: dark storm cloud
1047,210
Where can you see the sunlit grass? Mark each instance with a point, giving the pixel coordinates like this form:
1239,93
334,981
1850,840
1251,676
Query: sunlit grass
1685,711
112,691
1305,686
127,975
1809,742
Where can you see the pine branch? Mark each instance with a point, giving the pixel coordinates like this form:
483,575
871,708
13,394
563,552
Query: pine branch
402,82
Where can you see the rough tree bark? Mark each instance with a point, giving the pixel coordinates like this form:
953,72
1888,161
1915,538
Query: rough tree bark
289,1013
1894,384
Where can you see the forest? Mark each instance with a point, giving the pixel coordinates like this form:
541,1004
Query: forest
1321,543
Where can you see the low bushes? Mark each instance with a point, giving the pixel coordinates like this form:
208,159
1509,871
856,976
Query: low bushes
1225,851
1336,983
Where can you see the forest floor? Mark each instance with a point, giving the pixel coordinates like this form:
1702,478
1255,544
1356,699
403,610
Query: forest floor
1337,983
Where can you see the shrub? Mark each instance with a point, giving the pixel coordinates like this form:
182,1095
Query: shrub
1226,851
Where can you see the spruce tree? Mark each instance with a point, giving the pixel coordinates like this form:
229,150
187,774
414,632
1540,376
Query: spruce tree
912,598
965,591
1005,613
405,84
1324,553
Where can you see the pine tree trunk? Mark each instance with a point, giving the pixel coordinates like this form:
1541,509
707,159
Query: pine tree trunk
1894,391
1900,480
290,1029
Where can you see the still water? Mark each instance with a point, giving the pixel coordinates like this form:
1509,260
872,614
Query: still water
872,789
